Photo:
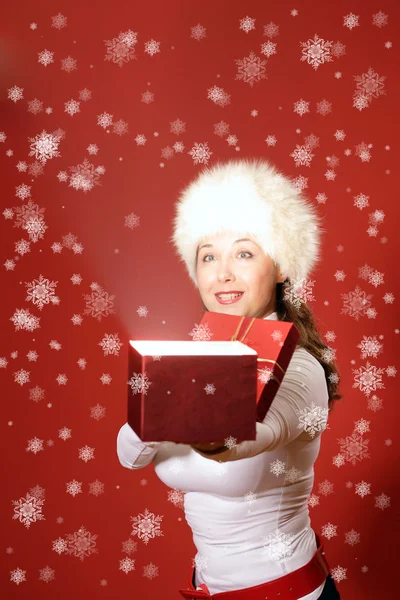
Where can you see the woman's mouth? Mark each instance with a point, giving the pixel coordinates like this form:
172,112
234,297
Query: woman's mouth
229,298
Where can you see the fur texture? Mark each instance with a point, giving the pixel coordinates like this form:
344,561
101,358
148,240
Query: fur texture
251,199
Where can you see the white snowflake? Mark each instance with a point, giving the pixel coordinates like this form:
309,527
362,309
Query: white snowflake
86,453
74,487
105,120
64,433
271,30
278,545
28,510
96,488
23,319
350,21
146,526
316,51
127,565
271,140
139,383
313,419
379,19
76,279
277,467
362,489
72,107
22,377
264,375
201,333
268,48
97,412
301,107
15,93
85,95
54,345
111,344
218,96
247,24
23,191
99,304
382,501
59,21
251,69
44,146
120,50
210,388
60,546
198,32
45,57
131,221
35,445
40,291
302,156
81,543
200,153
68,64
142,311
17,576
46,574
152,47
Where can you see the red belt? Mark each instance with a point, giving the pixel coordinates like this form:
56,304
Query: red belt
295,585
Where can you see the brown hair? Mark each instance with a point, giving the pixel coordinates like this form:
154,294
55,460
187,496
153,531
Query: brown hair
310,339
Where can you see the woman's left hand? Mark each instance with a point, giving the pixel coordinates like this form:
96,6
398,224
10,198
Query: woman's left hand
207,446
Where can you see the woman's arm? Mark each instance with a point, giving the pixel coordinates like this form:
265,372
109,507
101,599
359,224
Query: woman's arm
300,406
132,452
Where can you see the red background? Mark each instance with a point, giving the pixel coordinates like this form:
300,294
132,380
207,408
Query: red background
140,268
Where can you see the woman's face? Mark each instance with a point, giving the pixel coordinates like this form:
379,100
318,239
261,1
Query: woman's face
226,264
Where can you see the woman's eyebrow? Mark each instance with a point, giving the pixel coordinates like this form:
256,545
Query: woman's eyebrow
236,242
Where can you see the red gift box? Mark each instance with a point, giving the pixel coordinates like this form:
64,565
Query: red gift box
192,391
274,341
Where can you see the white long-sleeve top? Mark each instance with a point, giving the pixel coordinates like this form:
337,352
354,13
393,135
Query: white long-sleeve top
249,516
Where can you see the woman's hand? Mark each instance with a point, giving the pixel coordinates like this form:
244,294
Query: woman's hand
246,449
207,446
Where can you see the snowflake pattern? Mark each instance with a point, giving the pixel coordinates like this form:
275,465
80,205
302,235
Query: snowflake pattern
46,574
28,510
354,448
278,545
201,333
313,419
81,543
370,85
200,153
368,379
99,304
111,344
22,319
302,156
139,383
120,50
17,576
251,69
316,51
40,291
84,176
146,526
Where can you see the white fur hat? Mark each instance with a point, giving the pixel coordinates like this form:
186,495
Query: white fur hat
248,197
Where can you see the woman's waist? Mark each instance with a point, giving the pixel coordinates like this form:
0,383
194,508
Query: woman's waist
252,562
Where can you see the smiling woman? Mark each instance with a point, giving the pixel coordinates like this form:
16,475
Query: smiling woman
242,228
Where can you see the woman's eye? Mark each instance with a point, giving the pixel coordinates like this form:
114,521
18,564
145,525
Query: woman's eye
243,252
